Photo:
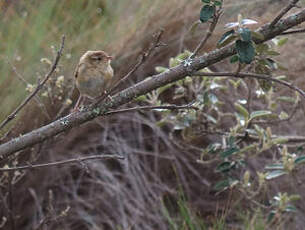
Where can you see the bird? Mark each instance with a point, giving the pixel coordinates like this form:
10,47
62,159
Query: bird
93,75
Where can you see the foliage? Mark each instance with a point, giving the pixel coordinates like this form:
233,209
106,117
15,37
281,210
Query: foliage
243,129
246,137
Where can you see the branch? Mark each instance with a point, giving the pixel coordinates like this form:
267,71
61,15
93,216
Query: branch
209,33
36,98
252,75
143,58
168,107
39,86
58,163
296,31
127,95
283,12
289,139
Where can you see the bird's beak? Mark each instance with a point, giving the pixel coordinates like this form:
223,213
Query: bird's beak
109,58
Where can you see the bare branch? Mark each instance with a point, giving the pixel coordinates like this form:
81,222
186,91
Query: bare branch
289,139
296,31
39,86
208,34
59,163
168,107
127,95
283,12
252,75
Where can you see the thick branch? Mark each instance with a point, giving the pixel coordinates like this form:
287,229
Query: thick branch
141,88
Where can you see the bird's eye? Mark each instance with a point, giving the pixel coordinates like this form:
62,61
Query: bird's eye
98,58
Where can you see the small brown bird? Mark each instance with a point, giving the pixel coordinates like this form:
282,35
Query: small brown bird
93,75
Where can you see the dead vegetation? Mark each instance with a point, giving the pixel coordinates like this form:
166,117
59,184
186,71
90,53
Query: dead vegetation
158,164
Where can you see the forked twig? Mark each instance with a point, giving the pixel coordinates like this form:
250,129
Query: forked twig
39,86
58,163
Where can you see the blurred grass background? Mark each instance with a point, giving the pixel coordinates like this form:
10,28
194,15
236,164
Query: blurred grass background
30,28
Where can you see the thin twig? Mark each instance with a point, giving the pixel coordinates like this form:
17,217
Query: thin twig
141,88
39,86
289,139
58,163
296,31
26,83
291,115
252,75
283,12
168,107
144,56
209,33
65,106
2,138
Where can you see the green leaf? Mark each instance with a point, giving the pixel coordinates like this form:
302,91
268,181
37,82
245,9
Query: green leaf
283,115
273,53
231,141
161,69
206,1
164,88
222,185
234,59
242,110
206,13
229,152
275,174
217,3
282,41
225,166
281,67
271,215
226,38
262,48
245,51
279,140
286,99
275,166
259,113
194,27
245,34
290,208
210,118
299,160
141,98
257,35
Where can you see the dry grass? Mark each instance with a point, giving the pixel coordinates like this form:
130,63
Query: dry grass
111,194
